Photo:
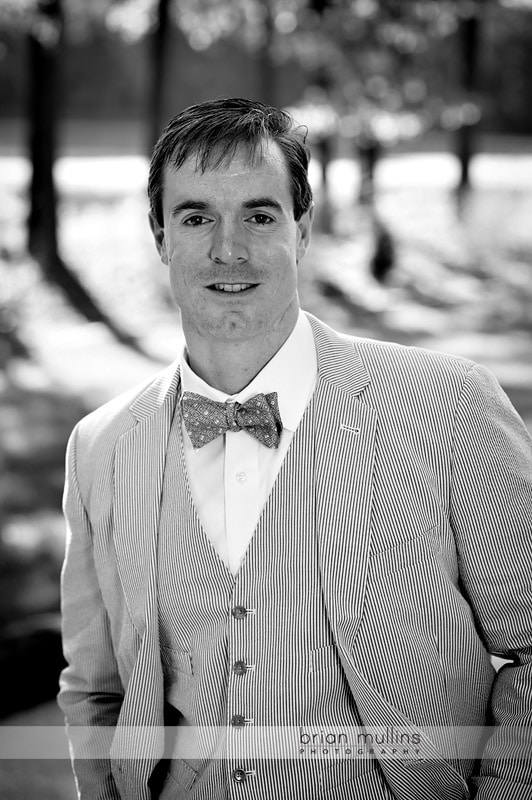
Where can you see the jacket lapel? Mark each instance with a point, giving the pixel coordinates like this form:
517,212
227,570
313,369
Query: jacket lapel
138,743
138,479
345,444
345,438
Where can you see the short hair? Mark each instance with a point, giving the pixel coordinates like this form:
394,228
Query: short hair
214,129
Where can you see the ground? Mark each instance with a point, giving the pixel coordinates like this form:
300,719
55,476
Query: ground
462,283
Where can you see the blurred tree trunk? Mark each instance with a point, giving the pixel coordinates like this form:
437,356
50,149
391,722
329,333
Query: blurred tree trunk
469,39
369,153
45,46
324,150
267,71
158,58
383,256
323,143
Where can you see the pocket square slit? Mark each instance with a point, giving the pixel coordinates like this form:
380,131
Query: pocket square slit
349,428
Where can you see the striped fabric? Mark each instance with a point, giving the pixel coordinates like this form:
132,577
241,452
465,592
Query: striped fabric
294,677
421,497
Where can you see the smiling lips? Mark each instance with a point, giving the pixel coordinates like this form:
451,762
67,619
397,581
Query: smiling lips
231,287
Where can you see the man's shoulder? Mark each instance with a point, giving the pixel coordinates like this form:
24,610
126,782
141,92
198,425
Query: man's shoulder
109,421
394,356
414,376
415,357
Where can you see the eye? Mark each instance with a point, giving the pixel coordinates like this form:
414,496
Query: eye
261,219
195,221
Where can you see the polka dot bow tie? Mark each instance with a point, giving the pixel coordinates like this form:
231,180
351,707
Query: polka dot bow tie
206,419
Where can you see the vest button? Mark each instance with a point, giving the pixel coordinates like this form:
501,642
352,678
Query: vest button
239,612
239,775
238,721
239,667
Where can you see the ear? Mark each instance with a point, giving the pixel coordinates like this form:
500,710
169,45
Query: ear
158,234
304,227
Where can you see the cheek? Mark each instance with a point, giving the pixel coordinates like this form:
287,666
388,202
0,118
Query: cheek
181,264
289,262
282,255
178,278
185,278
181,250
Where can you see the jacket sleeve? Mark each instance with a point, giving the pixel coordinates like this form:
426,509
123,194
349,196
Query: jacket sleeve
91,691
491,514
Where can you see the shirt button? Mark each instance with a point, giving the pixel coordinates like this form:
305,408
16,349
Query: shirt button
241,477
238,721
239,612
240,668
239,775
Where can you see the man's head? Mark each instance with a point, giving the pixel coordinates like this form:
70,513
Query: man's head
214,130
231,216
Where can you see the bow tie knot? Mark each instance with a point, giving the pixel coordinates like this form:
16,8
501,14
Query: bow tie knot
207,419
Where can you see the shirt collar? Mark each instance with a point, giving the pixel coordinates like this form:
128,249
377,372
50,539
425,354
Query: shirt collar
292,373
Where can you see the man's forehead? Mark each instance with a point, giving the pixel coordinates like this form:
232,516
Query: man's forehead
241,159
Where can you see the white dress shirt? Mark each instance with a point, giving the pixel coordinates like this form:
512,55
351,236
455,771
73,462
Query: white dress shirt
231,477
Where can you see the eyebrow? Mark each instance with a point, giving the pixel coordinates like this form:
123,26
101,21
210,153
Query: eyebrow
191,204
264,202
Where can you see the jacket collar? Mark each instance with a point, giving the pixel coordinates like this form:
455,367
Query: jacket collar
164,388
332,349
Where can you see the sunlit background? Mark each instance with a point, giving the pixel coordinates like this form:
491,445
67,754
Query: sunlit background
419,118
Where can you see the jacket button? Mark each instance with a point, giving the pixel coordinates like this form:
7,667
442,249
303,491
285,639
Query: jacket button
238,721
239,776
239,612
239,668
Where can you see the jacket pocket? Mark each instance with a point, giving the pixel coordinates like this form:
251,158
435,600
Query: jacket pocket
176,661
323,658
179,679
420,548
356,779
180,776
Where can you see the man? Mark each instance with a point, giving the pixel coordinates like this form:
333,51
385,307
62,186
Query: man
290,529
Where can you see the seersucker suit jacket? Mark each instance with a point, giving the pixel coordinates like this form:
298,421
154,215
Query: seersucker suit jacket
423,522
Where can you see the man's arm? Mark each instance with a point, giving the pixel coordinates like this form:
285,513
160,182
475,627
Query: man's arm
91,691
491,512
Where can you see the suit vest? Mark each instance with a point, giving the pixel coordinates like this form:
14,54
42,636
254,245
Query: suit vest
254,652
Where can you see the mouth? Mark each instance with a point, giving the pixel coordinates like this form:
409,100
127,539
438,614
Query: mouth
231,288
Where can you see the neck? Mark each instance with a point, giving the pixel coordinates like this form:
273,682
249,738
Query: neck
231,366
230,373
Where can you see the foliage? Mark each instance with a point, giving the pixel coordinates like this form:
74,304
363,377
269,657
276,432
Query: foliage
383,70
404,26
386,69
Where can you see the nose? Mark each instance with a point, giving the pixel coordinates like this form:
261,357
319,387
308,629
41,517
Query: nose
228,244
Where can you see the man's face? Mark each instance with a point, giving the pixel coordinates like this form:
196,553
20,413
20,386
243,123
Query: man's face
232,245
